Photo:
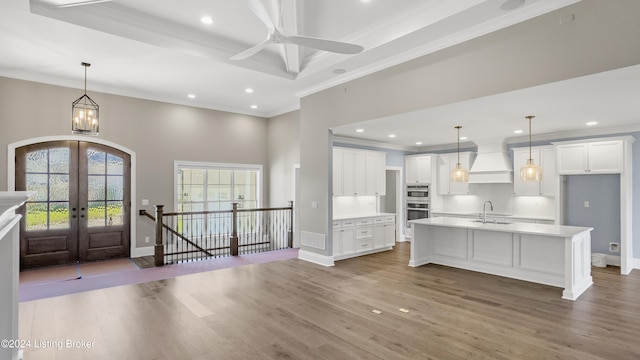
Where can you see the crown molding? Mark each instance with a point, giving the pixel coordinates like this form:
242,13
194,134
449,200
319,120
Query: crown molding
377,144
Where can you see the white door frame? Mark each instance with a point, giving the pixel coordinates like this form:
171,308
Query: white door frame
11,177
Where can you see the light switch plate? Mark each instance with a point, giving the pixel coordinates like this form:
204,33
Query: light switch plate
145,202
586,204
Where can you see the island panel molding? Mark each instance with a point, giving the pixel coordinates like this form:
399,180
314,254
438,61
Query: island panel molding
554,255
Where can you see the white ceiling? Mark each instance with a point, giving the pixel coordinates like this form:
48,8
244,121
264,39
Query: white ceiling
159,50
609,98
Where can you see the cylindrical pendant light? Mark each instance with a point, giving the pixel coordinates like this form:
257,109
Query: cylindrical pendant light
458,173
530,171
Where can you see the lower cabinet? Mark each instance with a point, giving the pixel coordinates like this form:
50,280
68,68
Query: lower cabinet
359,236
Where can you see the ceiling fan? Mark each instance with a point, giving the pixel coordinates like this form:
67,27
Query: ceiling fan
64,4
275,36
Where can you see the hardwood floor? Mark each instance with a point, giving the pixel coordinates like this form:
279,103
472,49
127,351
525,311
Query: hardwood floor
292,309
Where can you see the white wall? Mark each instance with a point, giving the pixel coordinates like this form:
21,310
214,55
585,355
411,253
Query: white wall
283,133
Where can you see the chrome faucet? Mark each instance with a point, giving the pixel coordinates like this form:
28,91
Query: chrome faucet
484,211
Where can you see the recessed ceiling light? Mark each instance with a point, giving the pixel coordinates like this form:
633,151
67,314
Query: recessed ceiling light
392,135
592,123
206,19
359,130
365,1
248,90
254,106
517,132
191,96
419,143
463,138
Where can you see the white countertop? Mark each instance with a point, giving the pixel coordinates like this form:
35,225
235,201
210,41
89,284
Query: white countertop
359,216
493,214
515,227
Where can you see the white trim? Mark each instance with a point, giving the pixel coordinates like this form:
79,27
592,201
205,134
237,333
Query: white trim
11,171
635,263
612,260
377,144
142,251
312,257
201,164
296,190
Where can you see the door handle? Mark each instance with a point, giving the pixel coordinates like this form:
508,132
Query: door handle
82,215
73,216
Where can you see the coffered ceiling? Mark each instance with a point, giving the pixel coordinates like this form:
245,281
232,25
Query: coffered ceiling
161,50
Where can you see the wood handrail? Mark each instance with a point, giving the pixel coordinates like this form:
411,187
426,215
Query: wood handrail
165,226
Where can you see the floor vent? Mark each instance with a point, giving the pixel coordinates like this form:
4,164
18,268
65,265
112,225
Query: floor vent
313,240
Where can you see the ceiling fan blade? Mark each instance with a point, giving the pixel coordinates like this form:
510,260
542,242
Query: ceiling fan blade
261,12
252,50
80,3
326,45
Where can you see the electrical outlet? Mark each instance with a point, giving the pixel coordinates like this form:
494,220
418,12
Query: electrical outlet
314,204
614,247
586,204
146,240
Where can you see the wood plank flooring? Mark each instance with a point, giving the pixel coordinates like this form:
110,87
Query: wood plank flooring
292,309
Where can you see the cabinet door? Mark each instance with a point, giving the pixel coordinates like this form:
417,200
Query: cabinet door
548,185
348,172
348,240
458,188
379,240
423,164
337,242
360,175
520,157
376,173
572,158
337,172
390,234
443,174
605,157
411,170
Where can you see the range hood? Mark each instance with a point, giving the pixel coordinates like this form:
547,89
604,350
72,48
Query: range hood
492,164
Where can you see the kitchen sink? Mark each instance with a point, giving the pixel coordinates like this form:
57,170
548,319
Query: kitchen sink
493,222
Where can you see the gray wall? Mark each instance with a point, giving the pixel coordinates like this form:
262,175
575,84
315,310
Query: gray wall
393,158
159,133
603,214
284,152
535,52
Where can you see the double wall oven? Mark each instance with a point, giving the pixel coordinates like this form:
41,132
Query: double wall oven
417,200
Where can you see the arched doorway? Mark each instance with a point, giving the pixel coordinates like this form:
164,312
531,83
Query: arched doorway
82,207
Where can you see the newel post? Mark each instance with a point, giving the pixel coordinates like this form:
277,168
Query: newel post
290,232
234,234
159,246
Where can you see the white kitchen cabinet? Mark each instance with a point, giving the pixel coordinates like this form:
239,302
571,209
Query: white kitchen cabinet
384,231
338,177
344,237
542,156
418,169
446,163
358,172
364,234
376,179
600,157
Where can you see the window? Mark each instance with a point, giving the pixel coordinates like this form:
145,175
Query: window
210,187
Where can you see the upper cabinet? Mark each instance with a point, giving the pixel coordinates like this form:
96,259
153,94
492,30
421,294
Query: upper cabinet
448,162
601,157
542,156
358,172
417,169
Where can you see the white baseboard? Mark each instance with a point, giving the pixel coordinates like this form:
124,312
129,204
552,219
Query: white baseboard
309,256
613,260
635,263
142,251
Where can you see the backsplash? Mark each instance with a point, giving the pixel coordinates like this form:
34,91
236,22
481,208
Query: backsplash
504,202
345,206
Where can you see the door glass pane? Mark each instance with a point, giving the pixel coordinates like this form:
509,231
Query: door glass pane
58,187
59,215
115,213
115,165
96,161
37,161
96,214
59,160
36,216
115,188
97,187
38,183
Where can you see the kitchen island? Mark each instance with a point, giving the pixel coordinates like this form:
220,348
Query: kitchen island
553,255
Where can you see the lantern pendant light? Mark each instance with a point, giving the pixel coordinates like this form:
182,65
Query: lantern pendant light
458,173
530,171
85,112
